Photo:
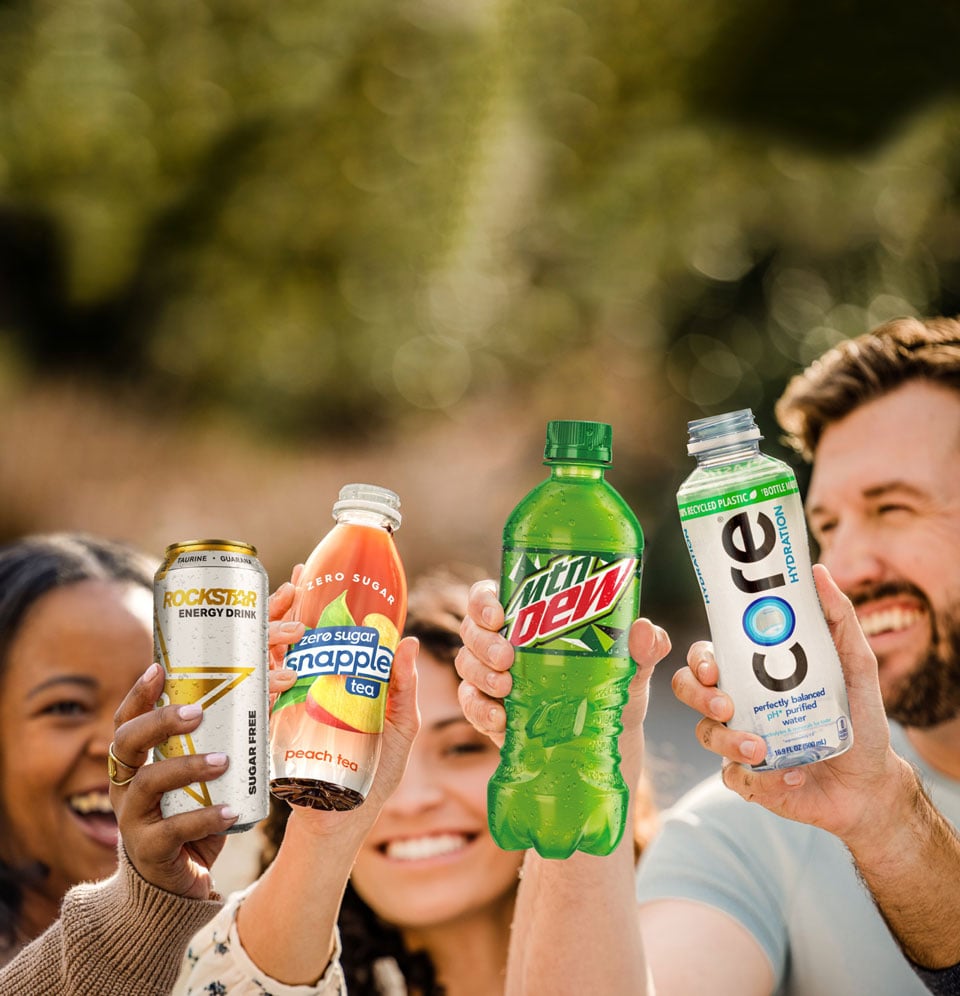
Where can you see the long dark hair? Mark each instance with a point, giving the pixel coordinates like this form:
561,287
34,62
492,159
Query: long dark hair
29,568
436,606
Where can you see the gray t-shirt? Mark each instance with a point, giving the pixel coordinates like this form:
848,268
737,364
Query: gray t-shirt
793,887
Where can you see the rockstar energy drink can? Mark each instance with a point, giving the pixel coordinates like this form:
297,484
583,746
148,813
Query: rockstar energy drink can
210,634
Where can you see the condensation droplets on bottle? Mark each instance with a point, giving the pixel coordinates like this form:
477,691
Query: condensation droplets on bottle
570,586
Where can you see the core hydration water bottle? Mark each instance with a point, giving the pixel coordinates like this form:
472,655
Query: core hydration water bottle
325,731
570,586
744,528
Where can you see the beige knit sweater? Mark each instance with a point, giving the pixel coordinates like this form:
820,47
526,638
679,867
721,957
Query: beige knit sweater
119,937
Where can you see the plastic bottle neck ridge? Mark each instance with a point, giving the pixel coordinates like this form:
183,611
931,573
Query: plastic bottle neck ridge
726,438
367,504
575,471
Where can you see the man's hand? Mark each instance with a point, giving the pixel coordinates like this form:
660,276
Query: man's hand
848,795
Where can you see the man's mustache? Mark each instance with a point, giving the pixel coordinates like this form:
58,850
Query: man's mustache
887,589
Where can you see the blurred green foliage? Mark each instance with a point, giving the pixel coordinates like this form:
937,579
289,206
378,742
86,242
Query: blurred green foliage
322,216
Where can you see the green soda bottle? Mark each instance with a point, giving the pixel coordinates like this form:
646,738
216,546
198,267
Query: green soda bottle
570,587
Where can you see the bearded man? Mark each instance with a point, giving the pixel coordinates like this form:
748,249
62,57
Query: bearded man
733,898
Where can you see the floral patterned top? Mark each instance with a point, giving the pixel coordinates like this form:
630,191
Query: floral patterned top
216,964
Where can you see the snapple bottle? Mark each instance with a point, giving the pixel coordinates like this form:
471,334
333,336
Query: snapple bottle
570,587
325,731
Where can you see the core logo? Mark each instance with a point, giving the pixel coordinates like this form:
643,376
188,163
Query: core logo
565,595
347,650
209,596
768,620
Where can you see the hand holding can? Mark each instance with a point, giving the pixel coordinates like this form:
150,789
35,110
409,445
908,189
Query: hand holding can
210,632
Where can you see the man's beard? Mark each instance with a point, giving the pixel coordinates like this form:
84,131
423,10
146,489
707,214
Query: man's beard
930,693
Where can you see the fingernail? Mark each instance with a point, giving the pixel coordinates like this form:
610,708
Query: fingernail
491,680
717,705
217,759
492,717
285,676
190,711
792,777
151,672
228,812
289,628
486,615
702,670
748,749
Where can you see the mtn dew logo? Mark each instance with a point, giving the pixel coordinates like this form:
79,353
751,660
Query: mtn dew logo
570,600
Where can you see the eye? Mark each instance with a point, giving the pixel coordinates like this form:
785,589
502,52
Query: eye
892,508
822,528
464,747
66,708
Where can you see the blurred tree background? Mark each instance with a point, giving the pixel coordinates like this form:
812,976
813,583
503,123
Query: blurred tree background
250,251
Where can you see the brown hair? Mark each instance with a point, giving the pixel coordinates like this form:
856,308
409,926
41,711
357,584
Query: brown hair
866,368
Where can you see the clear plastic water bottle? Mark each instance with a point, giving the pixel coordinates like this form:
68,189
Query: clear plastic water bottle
570,586
744,527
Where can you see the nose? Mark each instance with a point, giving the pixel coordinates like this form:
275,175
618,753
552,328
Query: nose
101,734
419,790
853,558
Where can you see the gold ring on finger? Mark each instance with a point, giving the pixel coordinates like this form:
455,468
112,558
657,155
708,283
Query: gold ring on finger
113,768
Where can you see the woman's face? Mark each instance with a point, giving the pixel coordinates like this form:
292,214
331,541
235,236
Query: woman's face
430,858
77,653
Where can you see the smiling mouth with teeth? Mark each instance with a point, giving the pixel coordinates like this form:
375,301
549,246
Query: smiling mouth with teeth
889,620
92,804
419,848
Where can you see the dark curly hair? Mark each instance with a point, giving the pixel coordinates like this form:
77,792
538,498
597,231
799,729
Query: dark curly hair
29,568
436,606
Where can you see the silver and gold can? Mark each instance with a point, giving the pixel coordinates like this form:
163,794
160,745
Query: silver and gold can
210,635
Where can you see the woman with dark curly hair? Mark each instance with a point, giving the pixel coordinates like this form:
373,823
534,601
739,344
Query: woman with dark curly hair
428,907
430,900
75,633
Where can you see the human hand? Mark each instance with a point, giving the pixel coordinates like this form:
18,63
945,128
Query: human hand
286,924
486,657
847,795
282,632
484,662
177,852
400,727
648,645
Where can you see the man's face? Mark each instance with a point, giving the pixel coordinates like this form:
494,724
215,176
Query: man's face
884,505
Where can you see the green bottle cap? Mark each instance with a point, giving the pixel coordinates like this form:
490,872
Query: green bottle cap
585,442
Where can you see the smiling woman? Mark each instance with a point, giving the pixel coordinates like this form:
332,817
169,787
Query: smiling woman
75,633
430,900
431,895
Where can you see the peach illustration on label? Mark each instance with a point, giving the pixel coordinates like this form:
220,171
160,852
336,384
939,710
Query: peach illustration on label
389,637
337,701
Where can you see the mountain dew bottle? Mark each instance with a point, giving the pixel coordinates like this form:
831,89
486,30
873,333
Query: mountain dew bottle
570,587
